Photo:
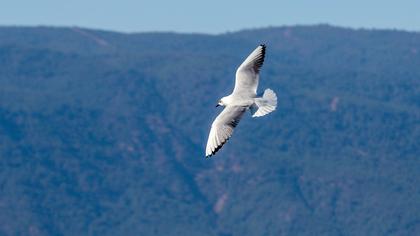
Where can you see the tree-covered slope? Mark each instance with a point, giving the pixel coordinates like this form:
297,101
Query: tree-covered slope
103,133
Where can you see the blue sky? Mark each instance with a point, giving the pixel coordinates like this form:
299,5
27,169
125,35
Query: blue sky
215,16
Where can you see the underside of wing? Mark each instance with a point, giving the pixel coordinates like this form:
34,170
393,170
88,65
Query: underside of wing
222,128
247,75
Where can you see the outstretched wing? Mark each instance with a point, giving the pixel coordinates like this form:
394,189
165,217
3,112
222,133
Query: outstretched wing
222,128
247,75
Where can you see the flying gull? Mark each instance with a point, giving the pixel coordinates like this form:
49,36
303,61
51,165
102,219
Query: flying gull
244,97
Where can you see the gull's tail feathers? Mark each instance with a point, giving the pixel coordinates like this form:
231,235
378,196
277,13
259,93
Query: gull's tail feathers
265,104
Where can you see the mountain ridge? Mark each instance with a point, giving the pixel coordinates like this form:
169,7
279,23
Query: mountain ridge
104,133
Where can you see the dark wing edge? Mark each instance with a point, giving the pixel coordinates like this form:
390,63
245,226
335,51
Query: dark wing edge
260,59
255,60
222,128
247,74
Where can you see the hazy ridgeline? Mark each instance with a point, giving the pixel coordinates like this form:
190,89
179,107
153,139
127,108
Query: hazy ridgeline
104,133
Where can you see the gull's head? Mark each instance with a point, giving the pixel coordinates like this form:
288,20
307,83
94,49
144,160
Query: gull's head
222,102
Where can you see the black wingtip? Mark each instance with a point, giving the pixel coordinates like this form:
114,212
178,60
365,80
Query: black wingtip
217,148
263,50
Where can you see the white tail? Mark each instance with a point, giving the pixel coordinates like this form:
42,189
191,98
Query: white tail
265,104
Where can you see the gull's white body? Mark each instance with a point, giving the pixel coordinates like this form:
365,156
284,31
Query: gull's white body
243,97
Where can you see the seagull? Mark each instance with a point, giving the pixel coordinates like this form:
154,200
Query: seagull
244,97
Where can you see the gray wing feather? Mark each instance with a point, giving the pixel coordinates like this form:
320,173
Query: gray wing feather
222,128
247,74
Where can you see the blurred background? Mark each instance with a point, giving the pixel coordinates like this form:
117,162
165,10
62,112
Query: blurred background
105,108
211,17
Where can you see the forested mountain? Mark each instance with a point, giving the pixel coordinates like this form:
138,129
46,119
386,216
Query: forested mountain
103,133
